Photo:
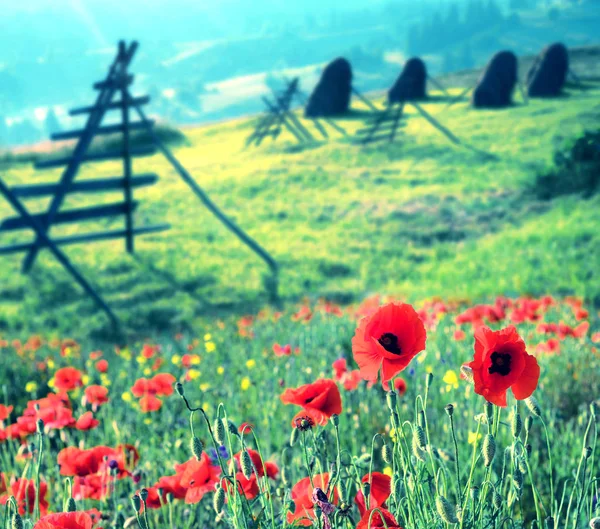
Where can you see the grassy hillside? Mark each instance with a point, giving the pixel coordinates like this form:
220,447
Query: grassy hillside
417,218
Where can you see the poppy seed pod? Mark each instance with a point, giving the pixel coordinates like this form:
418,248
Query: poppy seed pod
71,505
445,510
449,409
219,430
587,452
179,389
17,521
488,449
219,499
246,464
144,495
534,406
197,447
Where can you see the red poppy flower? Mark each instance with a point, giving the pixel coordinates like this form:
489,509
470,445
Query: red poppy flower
245,428
302,497
5,411
340,367
351,380
102,366
24,492
150,403
164,383
282,350
501,362
388,340
65,520
93,487
320,400
380,492
172,485
87,422
96,395
74,461
199,477
94,355
67,379
377,520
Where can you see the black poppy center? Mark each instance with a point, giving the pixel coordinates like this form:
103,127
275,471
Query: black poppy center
321,496
500,363
389,342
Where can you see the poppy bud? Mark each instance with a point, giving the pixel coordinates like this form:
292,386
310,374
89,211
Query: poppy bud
516,424
497,500
366,489
419,436
428,380
386,453
587,452
445,510
489,411
488,449
528,449
534,406
365,459
137,502
39,425
219,499
518,478
284,476
417,450
196,446
467,373
335,419
391,400
549,523
449,409
232,428
595,523
294,436
71,505
246,464
179,389
17,521
528,423
474,492
421,419
144,495
219,430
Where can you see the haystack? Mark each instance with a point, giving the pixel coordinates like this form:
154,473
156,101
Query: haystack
332,94
548,73
410,85
495,86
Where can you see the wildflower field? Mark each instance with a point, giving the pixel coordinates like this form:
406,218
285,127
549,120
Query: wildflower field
465,394
378,414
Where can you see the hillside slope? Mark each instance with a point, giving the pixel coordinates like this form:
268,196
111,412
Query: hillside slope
418,218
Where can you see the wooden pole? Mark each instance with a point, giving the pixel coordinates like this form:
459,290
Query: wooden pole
364,99
204,198
62,258
129,241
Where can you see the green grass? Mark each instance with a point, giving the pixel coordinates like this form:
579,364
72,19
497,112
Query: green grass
417,218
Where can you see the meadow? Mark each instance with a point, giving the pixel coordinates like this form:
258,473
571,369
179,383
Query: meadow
385,386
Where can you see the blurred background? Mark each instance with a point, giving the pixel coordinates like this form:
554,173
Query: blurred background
209,61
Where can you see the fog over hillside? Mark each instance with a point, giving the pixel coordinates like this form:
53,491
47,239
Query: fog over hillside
203,61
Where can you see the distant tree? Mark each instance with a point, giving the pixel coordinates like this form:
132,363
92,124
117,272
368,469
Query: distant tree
448,62
3,131
466,59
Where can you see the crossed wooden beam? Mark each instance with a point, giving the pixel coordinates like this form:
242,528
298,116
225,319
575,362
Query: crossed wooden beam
117,81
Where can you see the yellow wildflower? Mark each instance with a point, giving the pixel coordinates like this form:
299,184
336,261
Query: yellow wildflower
245,384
